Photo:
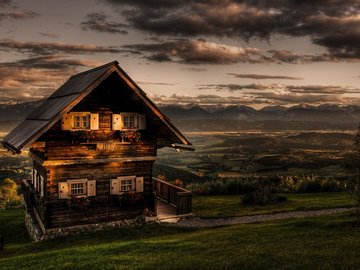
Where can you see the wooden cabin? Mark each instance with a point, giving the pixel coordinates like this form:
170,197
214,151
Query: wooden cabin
93,144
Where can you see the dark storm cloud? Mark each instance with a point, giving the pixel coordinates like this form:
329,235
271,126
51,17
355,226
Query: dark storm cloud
196,52
99,22
263,77
44,48
4,3
37,77
200,51
333,24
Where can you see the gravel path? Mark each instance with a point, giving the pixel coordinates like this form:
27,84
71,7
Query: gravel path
197,222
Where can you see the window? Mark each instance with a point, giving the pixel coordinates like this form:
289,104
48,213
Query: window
81,122
77,189
126,185
129,121
123,121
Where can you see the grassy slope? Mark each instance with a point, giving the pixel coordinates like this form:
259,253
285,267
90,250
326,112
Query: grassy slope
230,205
316,243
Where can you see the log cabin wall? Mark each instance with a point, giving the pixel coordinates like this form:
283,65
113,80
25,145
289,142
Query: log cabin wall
104,206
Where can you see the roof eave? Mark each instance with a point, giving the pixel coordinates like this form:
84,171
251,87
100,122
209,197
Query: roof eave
10,147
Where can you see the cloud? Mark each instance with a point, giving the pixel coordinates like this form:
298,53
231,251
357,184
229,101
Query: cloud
25,14
49,35
99,22
157,83
50,48
333,24
198,69
286,56
199,99
296,89
196,52
37,77
4,3
200,51
263,77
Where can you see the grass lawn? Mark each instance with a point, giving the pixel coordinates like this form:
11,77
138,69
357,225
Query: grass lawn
313,243
230,205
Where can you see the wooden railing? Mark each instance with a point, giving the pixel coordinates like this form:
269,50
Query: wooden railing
33,200
28,196
174,195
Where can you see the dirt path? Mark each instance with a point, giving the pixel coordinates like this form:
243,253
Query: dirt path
197,222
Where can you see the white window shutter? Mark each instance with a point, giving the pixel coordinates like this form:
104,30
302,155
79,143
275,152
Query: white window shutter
117,122
94,121
139,184
63,188
142,121
91,188
114,186
42,186
66,122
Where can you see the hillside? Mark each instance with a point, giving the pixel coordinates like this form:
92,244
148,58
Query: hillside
291,244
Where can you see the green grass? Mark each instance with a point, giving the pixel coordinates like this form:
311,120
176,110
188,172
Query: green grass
230,205
312,243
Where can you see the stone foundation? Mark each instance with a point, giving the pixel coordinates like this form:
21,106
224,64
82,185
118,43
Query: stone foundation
37,234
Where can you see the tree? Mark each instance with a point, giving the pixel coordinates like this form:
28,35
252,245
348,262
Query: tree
9,197
352,163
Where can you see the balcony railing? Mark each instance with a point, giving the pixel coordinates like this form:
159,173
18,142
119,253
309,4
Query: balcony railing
176,196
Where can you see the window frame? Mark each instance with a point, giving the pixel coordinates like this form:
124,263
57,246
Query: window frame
78,181
131,178
80,115
135,121
81,122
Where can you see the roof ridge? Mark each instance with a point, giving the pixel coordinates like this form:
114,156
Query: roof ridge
94,69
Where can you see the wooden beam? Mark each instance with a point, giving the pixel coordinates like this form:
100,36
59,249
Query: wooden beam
95,161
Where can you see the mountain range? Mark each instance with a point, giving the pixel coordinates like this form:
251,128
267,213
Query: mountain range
322,113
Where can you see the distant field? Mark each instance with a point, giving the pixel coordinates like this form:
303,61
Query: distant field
242,154
231,206
329,242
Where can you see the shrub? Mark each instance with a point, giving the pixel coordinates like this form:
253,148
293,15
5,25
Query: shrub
223,187
310,183
263,193
9,197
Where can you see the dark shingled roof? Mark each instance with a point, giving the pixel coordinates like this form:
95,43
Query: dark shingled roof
70,94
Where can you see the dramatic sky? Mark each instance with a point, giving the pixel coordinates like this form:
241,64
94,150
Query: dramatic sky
246,52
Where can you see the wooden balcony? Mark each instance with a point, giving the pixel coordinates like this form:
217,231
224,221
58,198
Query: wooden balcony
175,196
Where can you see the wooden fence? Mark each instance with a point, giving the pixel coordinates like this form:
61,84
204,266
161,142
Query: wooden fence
176,196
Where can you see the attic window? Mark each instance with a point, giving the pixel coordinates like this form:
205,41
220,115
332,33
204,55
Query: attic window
129,121
124,121
81,122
